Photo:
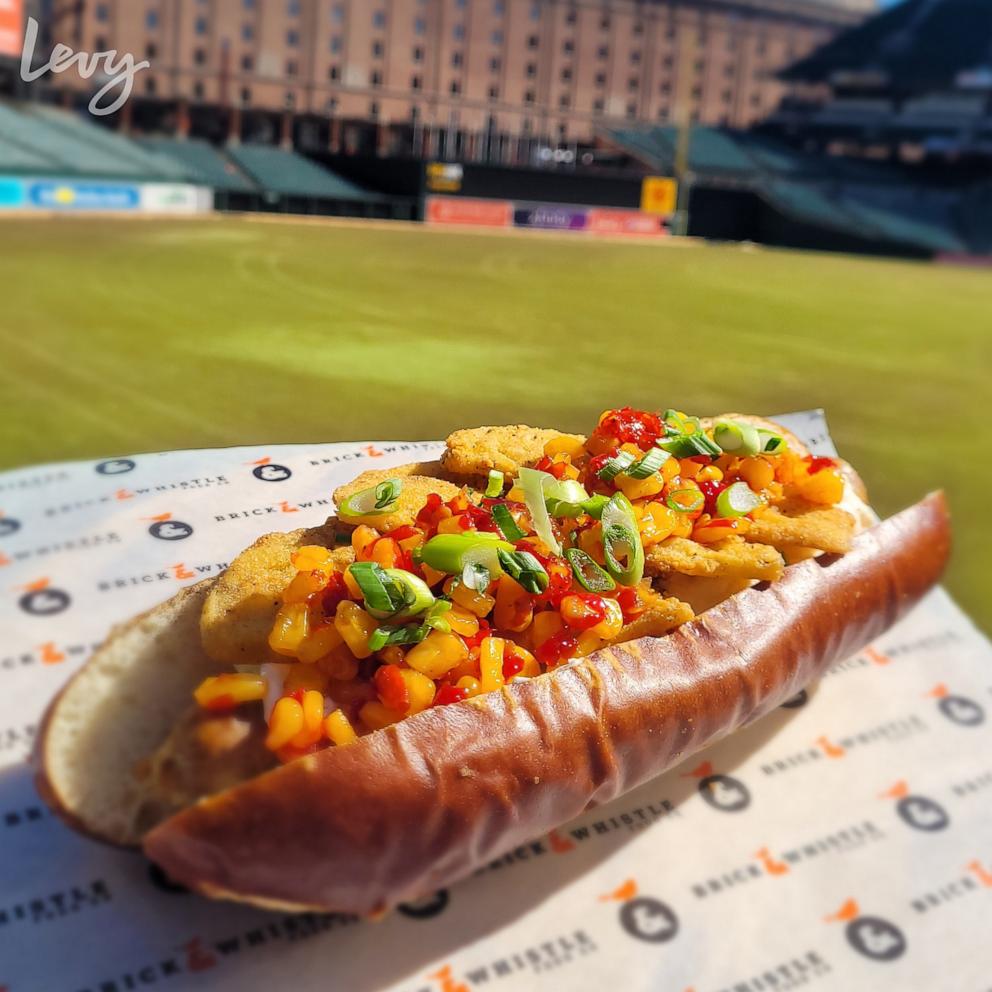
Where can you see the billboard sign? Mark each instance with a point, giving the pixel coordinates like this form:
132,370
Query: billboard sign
11,27
468,212
551,217
53,194
444,177
69,195
623,223
659,195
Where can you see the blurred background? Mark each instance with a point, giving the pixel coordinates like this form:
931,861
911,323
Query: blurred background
315,220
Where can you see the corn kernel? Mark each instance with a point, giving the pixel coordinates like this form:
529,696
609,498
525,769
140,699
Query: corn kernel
420,689
564,445
437,654
451,525
471,685
362,537
657,523
640,488
479,603
491,663
338,729
386,552
355,626
824,487
757,473
545,625
284,724
311,556
313,718
591,542
291,626
318,642
375,716
514,608
222,692
609,627
303,585
351,584
462,621
431,575
710,473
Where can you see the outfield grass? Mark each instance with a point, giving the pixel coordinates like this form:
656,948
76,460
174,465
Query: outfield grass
129,336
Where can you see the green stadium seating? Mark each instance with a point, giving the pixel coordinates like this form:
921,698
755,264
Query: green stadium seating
288,174
206,163
14,158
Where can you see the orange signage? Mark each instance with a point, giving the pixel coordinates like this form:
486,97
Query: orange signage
11,27
624,222
473,213
658,195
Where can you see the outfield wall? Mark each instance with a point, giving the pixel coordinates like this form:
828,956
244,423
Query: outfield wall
26,193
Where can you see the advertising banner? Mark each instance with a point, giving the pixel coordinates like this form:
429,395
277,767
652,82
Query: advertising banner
469,212
551,217
70,195
659,195
11,27
620,223
444,177
839,843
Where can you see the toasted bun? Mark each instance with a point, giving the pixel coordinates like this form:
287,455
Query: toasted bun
424,802
115,711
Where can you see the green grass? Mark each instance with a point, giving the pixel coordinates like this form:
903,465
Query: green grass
130,336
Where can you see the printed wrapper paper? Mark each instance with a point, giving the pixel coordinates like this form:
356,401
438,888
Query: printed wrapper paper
844,842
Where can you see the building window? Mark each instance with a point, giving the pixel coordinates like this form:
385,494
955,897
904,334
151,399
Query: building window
631,109
600,78
291,67
376,78
531,70
496,37
377,49
604,22
246,94
635,58
455,88
337,43
597,105
563,101
728,96
332,104
697,92
198,90
458,32
667,62
373,109
602,53
247,32
199,56
528,96
532,41
566,73
200,25
379,19
293,8
102,13
100,43
700,65
632,84
665,88
150,85
151,20
337,13
535,11
729,71
670,33
415,82
419,25
248,4
417,54
638,28
334,73
495,64
493,92
292,38
570,16
499,8
151,50
456,59
755,99
568,46
663,113
247,63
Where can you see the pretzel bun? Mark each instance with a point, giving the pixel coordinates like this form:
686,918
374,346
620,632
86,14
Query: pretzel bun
426,801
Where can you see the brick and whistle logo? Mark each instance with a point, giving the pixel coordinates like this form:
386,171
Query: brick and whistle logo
643,917
961,710
871,936
721,792
265,470
115,466
918,812
165,528
41,599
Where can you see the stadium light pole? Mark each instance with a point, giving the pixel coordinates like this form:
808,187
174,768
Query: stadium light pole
683,139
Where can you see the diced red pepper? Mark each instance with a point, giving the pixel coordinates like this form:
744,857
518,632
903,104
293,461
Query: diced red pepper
632,426
557,648
428,512
817,463
630,603
449,694
402,533
333,593
474,640
513,664
710,488
584,610
391,687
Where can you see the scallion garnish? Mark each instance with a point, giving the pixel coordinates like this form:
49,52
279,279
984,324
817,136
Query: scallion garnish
533,484
385,635
450,552
646,466
494,488
737,438
687,445
737,500
507,525
390,592
434,617
588,573
372,501
685,500
622,546
476,576
593,506
524,569
620,462
771,443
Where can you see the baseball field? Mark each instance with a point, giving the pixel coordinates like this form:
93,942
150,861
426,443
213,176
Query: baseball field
128,336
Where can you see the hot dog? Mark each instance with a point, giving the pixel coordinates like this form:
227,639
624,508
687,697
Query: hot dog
473,652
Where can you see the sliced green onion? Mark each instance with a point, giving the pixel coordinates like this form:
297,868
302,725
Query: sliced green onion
771,443
476,576
593,506
372,501
507,525
494,487
685,500
737,500
687,445
622,546
434,617
620,462
524,569
737,438
646,466
533,482
385,635
564,491
588,573
386,493
447,552
383,597
675,423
